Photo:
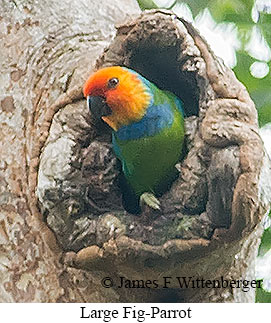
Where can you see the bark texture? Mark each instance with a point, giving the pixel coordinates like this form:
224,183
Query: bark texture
58,170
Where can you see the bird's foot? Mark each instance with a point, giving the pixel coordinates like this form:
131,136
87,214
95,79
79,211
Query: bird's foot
150,200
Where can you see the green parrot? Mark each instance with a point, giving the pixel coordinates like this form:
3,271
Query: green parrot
147,128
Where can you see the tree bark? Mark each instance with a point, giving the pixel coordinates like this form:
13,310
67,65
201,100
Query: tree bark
47,47
58,170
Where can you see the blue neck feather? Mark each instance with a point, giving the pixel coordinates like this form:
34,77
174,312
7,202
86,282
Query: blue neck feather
155,120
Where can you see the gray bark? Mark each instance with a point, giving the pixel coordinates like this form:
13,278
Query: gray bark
58,170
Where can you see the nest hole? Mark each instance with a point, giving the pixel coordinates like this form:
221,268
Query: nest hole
163,67
93,212
162,64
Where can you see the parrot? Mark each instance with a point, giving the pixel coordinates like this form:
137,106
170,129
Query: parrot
147,126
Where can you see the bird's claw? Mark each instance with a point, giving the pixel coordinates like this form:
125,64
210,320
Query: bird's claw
150,200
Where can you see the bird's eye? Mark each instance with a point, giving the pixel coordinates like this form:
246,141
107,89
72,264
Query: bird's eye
112,83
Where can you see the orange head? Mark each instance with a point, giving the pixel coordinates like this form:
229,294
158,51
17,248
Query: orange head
123,92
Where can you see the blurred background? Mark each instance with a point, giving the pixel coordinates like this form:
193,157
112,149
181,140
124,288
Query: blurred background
239,31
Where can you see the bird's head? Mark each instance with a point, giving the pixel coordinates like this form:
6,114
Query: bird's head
117,95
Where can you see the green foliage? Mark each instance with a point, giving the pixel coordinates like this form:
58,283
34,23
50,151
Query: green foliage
264,112
262,296
147,4
259,89
264,24
237,11
196,6
266,242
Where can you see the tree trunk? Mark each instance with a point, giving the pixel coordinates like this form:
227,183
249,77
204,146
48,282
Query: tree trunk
47,47
58,171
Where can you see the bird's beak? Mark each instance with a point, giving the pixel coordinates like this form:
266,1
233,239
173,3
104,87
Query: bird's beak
100,111
98,107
